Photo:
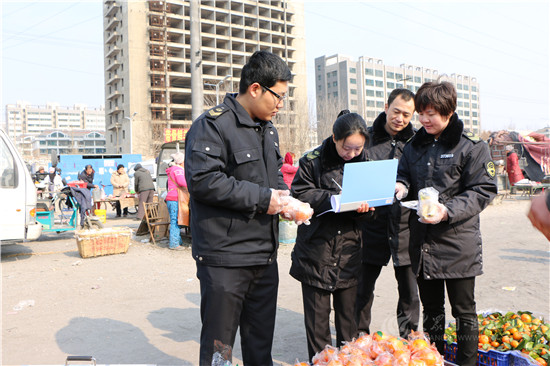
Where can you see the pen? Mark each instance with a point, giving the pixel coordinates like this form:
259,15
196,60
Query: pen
336,183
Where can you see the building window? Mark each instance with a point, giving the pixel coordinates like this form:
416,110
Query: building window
371,113
474,97
474,88
474,114
369,72
475,122
460,104
459,86
319,77
334,73
378,73
335,83
390,75
399,76
335,94
328,85
380,94
370,93
391,85
353,92
369,82
319,87
467,113
370,103
352,70
380,104
466,87
474,105
379,83
353,81
353,102
460,95
467,104
417,79
399,85
318,67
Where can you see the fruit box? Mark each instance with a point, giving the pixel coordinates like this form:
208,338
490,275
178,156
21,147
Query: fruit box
94,243
484,358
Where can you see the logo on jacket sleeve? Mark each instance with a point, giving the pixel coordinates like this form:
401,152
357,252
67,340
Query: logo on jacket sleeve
490,168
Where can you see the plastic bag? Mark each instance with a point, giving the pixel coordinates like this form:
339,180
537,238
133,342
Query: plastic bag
296,210
427,202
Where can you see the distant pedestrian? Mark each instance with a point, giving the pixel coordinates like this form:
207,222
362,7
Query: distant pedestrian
176,181
120,182
144,187
288,169
87,176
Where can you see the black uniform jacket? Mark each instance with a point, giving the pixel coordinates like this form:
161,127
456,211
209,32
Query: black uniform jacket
388,233
462,172
231,162
327,253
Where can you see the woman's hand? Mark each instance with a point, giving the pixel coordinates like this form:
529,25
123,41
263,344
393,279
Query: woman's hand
364,208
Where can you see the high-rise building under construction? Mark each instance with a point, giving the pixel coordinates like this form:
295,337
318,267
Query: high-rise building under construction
148,63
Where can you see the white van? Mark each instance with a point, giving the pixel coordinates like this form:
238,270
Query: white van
18,196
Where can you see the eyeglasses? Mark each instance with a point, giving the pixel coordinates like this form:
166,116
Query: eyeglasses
281,98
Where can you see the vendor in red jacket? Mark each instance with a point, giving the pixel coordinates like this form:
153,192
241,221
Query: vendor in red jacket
512,166
288,169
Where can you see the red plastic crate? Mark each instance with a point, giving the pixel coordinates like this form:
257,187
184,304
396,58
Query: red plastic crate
484,358
78,184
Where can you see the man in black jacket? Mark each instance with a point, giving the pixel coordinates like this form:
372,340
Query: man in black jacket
232,169
387,235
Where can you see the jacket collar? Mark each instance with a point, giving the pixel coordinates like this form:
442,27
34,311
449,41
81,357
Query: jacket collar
449,137
241,113
330,158
380,134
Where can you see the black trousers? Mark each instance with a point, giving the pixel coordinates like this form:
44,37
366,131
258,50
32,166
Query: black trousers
463,309
244,297
408,304
317,313
117,208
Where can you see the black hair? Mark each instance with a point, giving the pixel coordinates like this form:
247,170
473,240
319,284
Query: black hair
405,94
264,68
441,95
348,124
88,166
119,166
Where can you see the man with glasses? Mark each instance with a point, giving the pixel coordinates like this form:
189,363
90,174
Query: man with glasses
232,168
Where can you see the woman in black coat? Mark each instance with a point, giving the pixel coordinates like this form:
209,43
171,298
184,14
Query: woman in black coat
327,256
445,245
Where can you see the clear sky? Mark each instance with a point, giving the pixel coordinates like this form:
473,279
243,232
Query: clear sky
53,51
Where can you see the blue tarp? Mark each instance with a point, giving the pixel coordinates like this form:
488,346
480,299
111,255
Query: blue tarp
104,165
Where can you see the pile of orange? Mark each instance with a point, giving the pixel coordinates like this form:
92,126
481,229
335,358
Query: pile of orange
519,331
382,350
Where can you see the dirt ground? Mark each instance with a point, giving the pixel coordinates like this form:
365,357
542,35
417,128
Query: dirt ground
142,307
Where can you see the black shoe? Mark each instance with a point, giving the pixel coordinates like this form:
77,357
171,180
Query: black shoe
125,214
117,215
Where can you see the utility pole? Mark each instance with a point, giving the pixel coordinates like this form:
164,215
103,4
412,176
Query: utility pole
197,102
217,86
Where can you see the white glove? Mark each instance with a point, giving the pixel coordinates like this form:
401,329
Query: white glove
400,191
437,213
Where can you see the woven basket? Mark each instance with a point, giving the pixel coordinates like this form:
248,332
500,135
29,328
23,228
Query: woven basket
95,243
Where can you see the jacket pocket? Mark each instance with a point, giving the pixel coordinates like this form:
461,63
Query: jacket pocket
248,165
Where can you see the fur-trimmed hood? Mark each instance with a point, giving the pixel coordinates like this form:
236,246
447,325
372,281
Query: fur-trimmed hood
379,133
449,137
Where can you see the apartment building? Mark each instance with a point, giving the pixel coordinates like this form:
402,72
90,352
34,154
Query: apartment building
363,86
23,119
147,63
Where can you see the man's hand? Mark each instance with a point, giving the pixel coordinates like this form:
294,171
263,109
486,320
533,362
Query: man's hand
276,204
438,214
96,186
539,215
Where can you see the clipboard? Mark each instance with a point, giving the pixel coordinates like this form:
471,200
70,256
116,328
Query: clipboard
372,182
